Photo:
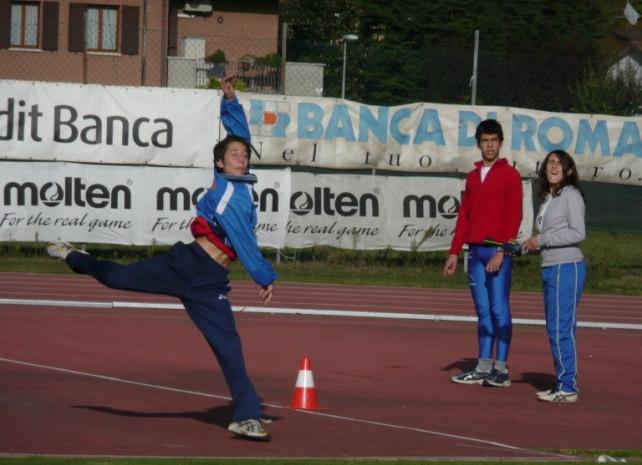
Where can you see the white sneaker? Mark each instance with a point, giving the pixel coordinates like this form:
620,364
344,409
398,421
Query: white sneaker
60,249
553,395
470,377
497,378
249,429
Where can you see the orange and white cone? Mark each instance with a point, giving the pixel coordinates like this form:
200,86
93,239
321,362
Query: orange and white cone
305,395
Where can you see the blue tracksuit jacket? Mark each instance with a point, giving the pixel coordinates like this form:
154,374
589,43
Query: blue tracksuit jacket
229,205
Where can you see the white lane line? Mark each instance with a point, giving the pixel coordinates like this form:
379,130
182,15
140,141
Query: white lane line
306,311
309,412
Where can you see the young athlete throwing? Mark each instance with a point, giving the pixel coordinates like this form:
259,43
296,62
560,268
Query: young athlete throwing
197,273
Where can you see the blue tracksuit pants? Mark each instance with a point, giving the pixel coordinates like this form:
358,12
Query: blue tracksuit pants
189,273
491,295
562,286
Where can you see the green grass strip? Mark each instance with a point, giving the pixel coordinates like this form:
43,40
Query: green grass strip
613,265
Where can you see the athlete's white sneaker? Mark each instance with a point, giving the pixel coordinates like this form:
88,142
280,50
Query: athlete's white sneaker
470,377
553,395
497,378
60,249
249,429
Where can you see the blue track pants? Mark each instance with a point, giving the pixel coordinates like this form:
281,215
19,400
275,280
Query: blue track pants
491,295
562,286
189,273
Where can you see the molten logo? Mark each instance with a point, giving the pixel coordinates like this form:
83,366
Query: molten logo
427,206
182,199
51,194
325,202
301,203
71,192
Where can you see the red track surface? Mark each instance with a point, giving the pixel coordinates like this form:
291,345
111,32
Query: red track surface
143,382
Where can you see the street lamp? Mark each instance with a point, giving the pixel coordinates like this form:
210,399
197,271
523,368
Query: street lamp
346,38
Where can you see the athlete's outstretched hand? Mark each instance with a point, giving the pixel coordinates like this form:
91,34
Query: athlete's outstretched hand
266,293
227,86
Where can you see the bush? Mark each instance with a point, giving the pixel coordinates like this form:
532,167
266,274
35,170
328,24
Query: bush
239,85
603,92
217,57
271,59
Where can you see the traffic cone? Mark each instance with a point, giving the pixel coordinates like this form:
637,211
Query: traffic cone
305,395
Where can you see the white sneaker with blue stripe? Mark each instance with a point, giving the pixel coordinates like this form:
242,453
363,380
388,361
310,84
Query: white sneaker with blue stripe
470,377
249,429
554,395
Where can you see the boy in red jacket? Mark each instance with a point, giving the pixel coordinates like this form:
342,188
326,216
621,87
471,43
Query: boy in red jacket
491,208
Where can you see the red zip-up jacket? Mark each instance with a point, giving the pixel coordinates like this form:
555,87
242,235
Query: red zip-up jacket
489,209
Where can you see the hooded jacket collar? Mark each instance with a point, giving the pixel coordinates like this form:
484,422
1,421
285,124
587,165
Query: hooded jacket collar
500,162
247,178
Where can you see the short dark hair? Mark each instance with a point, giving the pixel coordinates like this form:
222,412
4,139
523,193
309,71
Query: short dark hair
221,147
489,126
568,164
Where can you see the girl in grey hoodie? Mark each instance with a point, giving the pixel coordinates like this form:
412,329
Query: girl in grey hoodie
560,223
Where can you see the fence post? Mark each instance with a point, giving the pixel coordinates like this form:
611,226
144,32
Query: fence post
84,48
284,46
473,79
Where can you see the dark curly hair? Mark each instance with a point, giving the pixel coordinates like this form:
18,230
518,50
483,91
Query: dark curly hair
489,126
569,171
221,147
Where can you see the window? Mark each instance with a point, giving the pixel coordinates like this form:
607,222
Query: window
24,25
32,25
101,29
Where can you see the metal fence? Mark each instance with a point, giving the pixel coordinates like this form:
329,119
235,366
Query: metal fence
375,74
380,74
197,72
304,79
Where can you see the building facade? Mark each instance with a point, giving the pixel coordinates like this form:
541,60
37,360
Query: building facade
127,42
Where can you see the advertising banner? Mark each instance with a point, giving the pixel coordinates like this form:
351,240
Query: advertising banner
377,212
122,205
108,124
178,127
155,205
426,137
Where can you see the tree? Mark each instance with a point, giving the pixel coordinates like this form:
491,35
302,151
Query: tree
530,52
609,93
218,57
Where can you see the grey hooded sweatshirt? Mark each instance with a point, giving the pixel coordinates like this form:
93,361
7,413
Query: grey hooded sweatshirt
562,228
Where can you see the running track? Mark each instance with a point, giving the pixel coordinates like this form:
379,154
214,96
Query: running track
86,379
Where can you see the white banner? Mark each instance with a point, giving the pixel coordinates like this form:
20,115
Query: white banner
108,124
122,205
146,205
422,137
178,127
376,212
